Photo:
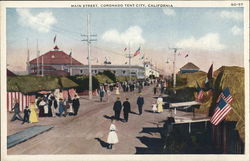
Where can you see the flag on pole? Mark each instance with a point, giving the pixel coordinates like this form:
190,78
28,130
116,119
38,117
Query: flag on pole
225,94
222,109
208,82
186,56
125,49
210,73
55,39
138,51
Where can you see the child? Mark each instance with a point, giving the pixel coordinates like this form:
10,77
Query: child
112,136
26,115
154,108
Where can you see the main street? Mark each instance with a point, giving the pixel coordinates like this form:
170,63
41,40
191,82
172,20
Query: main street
87,132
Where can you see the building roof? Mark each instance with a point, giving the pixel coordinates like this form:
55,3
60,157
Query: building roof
10,73
56,57
189,66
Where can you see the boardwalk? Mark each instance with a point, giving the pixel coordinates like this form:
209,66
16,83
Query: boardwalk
87,132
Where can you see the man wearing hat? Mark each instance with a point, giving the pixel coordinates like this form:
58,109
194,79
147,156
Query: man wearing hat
140,102
117,108
16,110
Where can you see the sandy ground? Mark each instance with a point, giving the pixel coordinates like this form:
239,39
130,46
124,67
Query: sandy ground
87,132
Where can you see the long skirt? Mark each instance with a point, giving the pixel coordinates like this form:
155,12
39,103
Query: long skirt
112,138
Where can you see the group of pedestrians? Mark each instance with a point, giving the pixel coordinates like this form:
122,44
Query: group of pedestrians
49,105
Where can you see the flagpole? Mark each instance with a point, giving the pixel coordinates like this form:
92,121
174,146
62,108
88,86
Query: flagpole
129,56
37,59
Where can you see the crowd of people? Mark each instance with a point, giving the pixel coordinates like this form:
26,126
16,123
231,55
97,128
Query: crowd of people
52,104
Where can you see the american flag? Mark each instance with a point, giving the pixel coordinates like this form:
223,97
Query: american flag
226,96
138,51
222,109
200,95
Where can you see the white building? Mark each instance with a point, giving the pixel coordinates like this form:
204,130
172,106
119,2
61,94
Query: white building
150,70
118,70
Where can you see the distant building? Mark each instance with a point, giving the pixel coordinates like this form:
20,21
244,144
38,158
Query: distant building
189,68
54,62
150,70
118,70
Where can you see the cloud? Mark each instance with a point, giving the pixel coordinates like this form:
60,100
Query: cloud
133,35
233,15
169,12
236,30
41,21
210,41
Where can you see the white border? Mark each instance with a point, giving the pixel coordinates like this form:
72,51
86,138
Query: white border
67,4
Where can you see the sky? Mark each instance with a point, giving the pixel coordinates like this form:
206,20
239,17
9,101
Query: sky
206,35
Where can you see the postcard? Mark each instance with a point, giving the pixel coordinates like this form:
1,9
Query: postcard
124,80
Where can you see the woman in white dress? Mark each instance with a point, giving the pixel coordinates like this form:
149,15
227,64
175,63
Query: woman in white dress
112,136
117,92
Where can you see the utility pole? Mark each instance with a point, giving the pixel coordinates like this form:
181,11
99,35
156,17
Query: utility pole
174,74
42,67
28,57
129,60
89,39
37,59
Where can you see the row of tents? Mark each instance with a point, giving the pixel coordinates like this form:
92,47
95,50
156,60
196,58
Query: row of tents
25,88
232,77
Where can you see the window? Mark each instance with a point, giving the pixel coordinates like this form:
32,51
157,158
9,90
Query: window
81,71
124,72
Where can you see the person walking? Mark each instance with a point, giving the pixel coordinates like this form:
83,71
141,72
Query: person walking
117,92
101,94
126,109
140,102
41,105
159,104
16,110
155,90
66,106
60,110
154,107
76,104
117,108
112,136
26,115
33,113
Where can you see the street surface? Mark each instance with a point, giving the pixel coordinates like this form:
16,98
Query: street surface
87,132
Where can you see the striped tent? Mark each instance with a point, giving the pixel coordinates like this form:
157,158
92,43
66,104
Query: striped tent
23,99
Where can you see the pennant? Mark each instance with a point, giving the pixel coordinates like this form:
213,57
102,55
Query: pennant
55,39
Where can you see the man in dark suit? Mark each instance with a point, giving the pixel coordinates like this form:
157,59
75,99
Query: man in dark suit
140,102
126,109
117,108
75,104
16,110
